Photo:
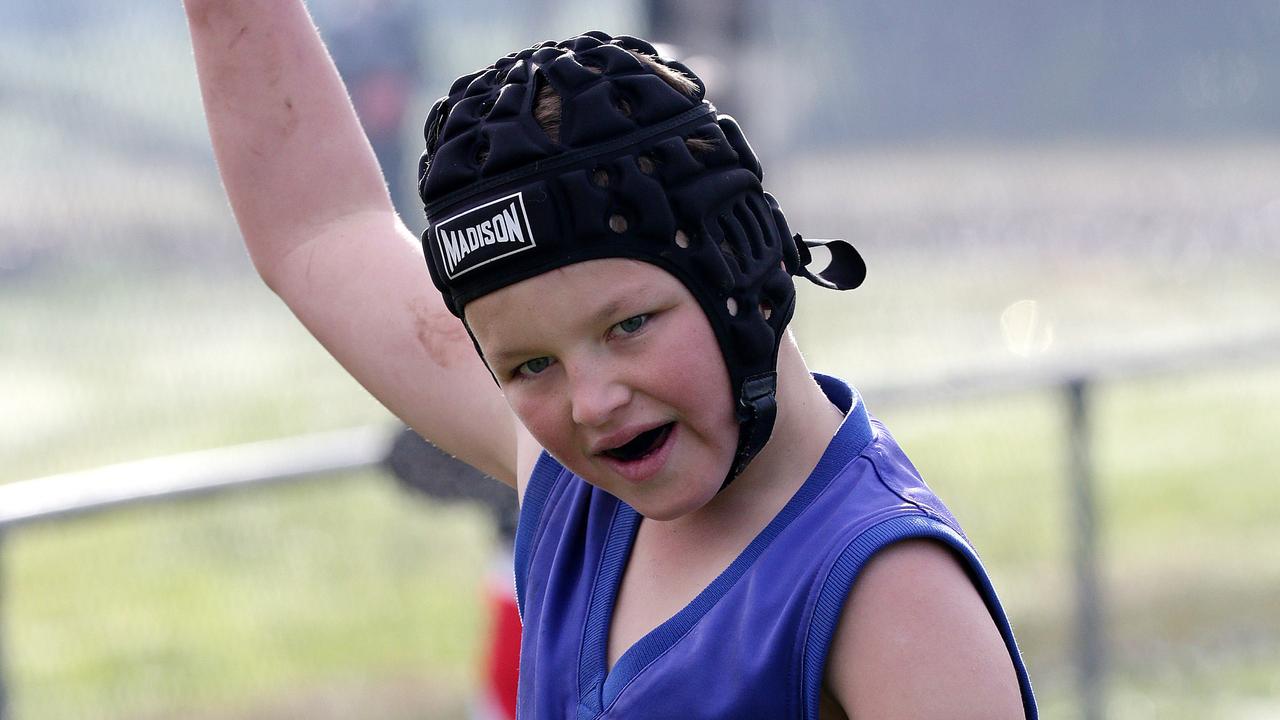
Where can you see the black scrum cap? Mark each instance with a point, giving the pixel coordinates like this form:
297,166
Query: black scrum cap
505,202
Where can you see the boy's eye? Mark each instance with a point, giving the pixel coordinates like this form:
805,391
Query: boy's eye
632,324
534,366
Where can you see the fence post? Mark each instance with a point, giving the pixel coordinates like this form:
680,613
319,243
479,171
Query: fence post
4,696
1091,651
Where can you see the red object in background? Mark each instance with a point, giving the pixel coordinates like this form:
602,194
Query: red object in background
502,659
381,99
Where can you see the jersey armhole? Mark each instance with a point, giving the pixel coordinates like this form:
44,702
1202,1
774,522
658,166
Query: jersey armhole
546,475
839,582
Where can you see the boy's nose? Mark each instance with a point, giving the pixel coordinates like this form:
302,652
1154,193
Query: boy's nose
596,395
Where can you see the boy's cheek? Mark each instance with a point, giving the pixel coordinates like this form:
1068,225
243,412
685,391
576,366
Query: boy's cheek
540,416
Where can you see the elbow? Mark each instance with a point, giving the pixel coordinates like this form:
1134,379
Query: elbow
269,266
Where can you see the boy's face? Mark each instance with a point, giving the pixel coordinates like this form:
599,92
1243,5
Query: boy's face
613,367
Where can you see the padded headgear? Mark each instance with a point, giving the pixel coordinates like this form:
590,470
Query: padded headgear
504,202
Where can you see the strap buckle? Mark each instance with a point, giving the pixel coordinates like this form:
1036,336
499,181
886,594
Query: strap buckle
758,397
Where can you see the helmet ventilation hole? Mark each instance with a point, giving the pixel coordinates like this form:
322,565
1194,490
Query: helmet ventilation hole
732,305
766,309
727,250
600,177
646,164
617,223
682,240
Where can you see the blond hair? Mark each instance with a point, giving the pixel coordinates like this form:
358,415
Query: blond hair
547,108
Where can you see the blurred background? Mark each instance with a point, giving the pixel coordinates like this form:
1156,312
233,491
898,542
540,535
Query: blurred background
1048,195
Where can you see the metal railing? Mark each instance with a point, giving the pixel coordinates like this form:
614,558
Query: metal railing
59,497
206,471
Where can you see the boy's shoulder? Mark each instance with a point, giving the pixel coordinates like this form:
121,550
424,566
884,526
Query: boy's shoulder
916,639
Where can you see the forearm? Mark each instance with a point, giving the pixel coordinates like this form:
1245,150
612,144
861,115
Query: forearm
289,148
316,217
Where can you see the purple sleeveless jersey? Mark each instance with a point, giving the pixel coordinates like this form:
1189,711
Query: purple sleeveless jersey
753,643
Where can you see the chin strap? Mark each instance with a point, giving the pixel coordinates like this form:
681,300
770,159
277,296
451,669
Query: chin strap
757,405
756,410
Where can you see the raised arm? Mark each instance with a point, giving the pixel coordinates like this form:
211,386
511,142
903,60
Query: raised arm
319,225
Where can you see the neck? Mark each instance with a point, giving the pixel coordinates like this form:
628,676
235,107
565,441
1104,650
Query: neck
805,424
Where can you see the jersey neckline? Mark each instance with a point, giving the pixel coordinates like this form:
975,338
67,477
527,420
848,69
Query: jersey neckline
598,686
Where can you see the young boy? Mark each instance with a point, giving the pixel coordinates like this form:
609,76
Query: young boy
696,505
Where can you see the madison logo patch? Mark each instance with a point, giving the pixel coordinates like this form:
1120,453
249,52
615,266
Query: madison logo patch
483,234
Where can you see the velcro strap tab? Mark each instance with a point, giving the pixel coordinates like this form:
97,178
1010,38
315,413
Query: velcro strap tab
846,269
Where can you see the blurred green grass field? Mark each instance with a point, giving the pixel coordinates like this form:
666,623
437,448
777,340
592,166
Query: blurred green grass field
131,325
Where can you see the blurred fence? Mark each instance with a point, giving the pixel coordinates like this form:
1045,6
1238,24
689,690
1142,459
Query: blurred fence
62,497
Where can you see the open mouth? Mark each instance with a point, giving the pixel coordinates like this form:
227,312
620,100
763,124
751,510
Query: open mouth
642,444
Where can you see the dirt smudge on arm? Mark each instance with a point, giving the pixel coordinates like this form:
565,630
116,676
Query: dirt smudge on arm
239,36
441,335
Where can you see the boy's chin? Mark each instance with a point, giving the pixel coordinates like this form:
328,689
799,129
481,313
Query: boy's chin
661,509
660,514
